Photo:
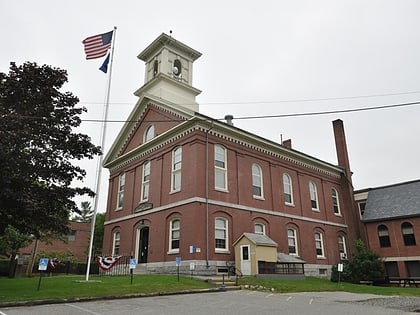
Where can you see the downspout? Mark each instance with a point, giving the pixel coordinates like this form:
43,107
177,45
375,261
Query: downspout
207,194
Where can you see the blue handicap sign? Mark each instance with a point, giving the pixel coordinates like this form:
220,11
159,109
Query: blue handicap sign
178,261
133,263
43,264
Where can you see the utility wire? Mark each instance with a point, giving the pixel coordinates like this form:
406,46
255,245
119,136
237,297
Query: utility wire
281,115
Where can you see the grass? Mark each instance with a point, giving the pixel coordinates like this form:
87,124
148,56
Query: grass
67,287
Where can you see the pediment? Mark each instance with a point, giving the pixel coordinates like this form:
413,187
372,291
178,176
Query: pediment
148,111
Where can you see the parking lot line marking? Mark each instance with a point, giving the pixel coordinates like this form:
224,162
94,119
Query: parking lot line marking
82,309
267,296
1,313
310,301
289,298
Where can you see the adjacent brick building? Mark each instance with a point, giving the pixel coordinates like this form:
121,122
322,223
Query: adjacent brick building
391,219
186,185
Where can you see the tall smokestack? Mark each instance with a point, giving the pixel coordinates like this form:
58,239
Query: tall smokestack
341,147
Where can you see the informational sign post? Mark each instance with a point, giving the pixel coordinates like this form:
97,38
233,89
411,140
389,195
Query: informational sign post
178,263
42,266
340,268
133,264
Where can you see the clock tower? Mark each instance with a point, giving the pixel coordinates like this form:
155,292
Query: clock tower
168,72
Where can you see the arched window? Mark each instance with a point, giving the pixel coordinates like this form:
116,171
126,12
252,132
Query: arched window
121,187
408,234
174,235
287,189
177,69
220,168
150,133
292,241
155,67
335,201
176,169
259,228
314,195
319,245
116,243
257,182
221,234
145,181
342,247
383,235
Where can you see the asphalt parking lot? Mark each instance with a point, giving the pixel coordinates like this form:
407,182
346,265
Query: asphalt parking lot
230,302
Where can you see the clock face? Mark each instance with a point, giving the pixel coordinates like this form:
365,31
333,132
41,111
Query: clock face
177,67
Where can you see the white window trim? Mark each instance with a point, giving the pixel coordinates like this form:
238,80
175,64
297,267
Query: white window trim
260,176
295,241
114,241
290,185
176,172
220,169
313,192
149,133
121,188
171,229
337,199
263,228
342,240
321,241
145,181
226,249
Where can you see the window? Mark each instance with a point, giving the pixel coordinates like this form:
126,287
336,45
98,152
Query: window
121,186
221,229
257,185
287,189
408,234
155,67
342,247
116,244
177,68
220,168
176,168
150,133
259,228
336,204
314,196
72,236
383,235
174,233
319,245
292,241
362,207
145,181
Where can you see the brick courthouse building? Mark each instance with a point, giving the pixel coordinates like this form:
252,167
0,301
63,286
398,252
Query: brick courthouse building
186,185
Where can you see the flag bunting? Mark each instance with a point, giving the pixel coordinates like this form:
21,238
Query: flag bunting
106,263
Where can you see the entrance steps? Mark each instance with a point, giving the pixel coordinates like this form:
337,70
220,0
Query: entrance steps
225,283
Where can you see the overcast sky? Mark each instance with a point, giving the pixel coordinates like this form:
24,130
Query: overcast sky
259,58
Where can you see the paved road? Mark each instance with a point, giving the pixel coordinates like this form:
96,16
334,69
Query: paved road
230,302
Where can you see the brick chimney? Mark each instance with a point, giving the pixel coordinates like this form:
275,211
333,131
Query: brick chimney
287,143
341,147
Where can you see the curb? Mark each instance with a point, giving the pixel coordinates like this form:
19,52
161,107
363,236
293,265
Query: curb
108,297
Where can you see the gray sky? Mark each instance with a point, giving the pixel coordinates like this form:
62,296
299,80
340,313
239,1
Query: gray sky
259,58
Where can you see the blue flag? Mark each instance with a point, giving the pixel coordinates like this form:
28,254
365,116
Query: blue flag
104,67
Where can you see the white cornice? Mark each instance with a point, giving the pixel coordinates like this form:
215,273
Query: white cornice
227,205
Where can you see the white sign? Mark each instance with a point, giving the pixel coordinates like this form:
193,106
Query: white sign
192,266
133,263
340,267
43,264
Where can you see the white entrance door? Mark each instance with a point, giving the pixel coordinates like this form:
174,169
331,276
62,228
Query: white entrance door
245,260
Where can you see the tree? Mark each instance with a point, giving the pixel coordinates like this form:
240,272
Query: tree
365,264
38,145
98,237
86,212
10,243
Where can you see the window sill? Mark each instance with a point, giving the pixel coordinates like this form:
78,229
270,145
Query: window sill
258,198
173,251
174,191
222,251
221,190
321,257
290,204
118,209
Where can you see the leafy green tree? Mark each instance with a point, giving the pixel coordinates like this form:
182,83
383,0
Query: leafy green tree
10,243
98,238
86,212
365,264
38,147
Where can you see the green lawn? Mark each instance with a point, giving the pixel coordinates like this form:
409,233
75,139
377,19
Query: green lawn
25,289
66,287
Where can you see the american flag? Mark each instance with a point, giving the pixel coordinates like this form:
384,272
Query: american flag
97,46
